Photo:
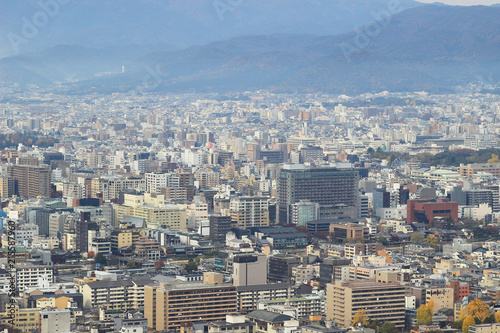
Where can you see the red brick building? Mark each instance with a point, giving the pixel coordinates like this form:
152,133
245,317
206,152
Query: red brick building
425,211
460,290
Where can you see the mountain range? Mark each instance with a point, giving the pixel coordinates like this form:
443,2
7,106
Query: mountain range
431,48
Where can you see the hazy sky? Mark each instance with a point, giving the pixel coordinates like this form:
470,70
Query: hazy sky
464,2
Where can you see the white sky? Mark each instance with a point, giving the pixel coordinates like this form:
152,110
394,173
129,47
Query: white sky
464,2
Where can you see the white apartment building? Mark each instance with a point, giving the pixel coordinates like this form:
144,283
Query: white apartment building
155,181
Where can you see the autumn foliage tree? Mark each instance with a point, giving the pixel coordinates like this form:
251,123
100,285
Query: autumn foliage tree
360,318
497,317
469,320
424,313
477,309
159,264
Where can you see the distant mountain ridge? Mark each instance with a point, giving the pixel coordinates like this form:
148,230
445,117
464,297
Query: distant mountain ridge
433,48
176,24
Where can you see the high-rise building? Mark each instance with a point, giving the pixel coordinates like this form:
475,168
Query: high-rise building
6,186
186,179
169,306
327,186
83,225
479,196
249,211
383,299
280,268
304,211
220,225
31,181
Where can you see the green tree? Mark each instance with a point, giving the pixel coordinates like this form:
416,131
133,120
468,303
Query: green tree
100,259
387,327
191,266
417,237
433,242
131,264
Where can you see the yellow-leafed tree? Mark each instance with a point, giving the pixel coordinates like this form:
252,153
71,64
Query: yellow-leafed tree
424,313
497,317
360,318
477,309
494,159
469,320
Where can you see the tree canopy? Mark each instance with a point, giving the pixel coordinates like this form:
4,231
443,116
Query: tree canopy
424,313
360,318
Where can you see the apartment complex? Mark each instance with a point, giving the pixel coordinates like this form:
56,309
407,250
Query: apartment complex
249,211
383,300
155,181
220,225
114,295
249,296
170,306
327,186
31,181
109,187
28,275
7,186
470,170
153,209
26,320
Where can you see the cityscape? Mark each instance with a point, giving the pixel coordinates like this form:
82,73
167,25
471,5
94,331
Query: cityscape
210,186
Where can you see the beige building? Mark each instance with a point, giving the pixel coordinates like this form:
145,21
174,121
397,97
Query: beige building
382,298
249,296
442,297
249,211
114,295
153,209
109,187
485,328
249,270
26,320
31,181
470,170
174,193
6,186
169,306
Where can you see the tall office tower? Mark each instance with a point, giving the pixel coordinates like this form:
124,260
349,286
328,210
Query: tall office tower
249,211
383,299
6,186
83,225
220,225
186,179
31,181
329,187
